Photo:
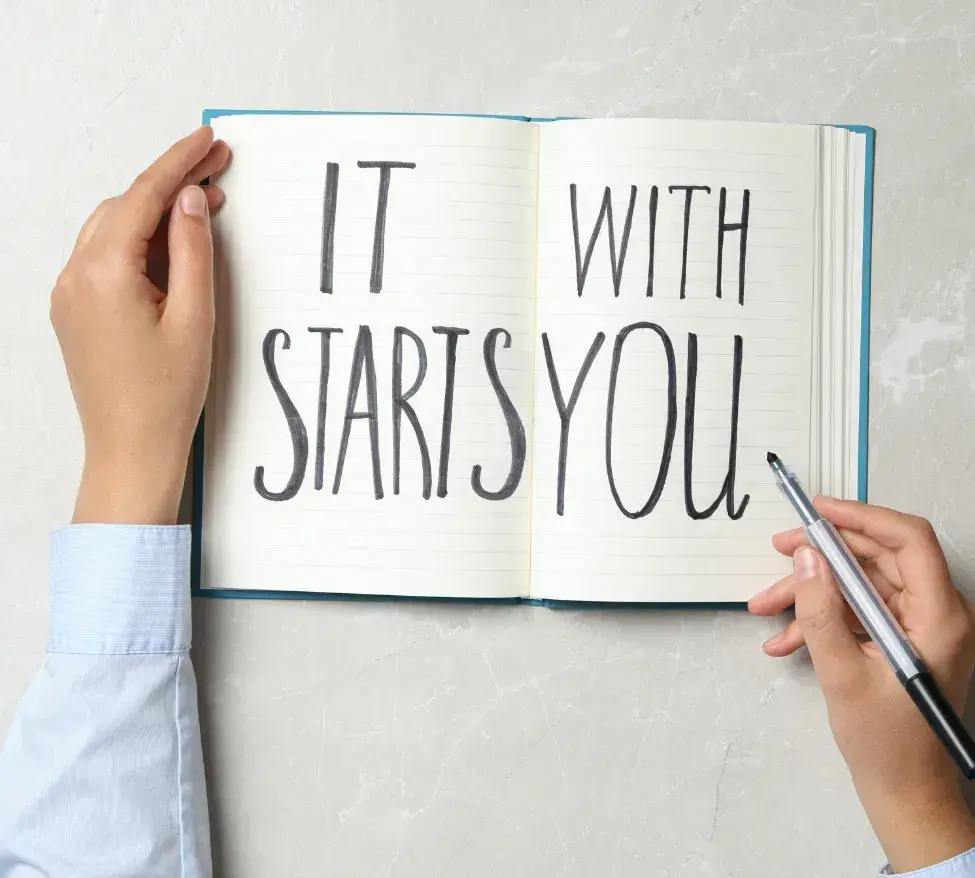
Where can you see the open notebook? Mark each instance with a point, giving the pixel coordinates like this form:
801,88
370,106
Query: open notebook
475,357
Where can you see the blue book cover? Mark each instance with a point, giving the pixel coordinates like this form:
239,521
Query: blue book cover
862,445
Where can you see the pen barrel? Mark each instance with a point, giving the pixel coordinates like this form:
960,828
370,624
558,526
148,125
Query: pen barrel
866,602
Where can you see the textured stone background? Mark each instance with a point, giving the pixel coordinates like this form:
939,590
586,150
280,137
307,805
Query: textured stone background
416,740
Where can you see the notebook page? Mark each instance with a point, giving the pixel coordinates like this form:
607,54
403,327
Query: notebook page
301,488
845,397
856,199
646,546
836,355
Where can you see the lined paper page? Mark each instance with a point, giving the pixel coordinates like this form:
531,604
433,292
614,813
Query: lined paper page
593,551
838,302
856,198
458,248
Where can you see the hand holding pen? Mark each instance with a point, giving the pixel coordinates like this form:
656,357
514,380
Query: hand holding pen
904,776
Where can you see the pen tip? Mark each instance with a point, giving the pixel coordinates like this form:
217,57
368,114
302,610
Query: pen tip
771,457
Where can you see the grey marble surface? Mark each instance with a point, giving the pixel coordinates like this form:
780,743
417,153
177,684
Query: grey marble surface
402,740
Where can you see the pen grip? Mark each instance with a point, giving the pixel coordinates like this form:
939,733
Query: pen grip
866,602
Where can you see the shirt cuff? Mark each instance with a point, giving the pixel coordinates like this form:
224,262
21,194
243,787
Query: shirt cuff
120,589
962,866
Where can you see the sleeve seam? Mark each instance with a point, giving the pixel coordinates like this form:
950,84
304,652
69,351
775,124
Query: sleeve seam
171,653
179,769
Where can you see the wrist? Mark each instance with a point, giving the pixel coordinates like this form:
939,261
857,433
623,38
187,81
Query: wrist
120,491
922,829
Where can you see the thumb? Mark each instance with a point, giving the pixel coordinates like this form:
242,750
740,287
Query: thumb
189,301
821,613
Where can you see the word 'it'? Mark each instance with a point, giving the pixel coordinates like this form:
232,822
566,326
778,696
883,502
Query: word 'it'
329,209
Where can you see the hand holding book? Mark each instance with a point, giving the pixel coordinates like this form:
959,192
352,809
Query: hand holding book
133,312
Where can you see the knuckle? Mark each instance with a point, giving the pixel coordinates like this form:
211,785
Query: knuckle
818,612
100,210
966,611
90,276
61,296
93,274
922,528
819,620
958,630
64,282
57,306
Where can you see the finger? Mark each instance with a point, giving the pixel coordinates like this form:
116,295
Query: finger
887,589
211,165
889,528
920,562
189,302
142,206
213,162
792,639
785,642
786,542
775,599
158,251
215,196
781,596
880,566
821,614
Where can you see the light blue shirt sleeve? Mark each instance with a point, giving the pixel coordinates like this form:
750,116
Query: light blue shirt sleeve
962,866
102,771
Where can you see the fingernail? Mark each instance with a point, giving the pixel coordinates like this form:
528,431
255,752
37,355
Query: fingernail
193,201
773,640
759,594
805,564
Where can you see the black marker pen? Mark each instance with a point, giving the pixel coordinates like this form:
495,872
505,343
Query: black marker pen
879,622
